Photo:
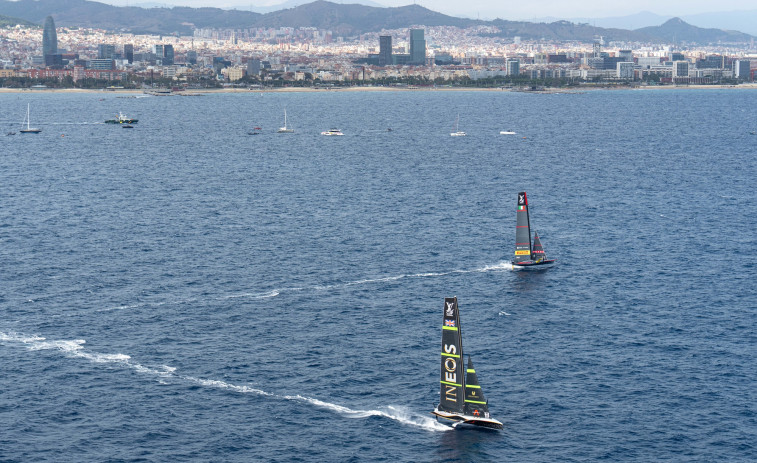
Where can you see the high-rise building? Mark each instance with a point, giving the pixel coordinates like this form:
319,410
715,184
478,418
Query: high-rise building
625,55
105,51
417,47
191,57
680,69
49,38
624,70
385,50
512,67
164,53
129,52
253,67
168,55
742,69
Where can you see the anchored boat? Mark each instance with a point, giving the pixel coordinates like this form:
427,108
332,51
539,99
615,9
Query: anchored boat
29,128
526,254
457,132
285,129
462,399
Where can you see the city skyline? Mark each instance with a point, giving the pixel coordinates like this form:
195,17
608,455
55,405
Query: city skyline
491,9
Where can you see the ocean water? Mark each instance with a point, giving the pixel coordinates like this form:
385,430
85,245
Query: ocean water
183,291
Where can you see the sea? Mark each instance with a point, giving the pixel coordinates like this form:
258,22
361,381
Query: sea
185,291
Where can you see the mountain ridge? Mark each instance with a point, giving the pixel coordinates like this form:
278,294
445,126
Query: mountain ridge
344,19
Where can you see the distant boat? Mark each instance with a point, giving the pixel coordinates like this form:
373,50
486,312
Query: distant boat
506,132
332,132
28,128
121,119
285,129
255,131
527,255
457,132
462,399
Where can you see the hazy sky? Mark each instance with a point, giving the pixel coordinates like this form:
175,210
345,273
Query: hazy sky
489,9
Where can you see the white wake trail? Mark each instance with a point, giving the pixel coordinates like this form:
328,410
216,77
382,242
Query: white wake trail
75,349
276,292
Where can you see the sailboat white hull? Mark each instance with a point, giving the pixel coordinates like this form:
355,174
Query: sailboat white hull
456,419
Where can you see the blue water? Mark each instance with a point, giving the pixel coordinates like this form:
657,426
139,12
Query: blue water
183,291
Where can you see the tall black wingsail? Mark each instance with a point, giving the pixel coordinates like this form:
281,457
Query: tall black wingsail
538,251
452,397
522,231
475,401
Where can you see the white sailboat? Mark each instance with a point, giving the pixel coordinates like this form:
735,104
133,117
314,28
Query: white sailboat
28,128
457,132
285,129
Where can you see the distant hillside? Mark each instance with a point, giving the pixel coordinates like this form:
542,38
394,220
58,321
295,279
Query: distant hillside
83,13
292,4
10,21
629,22
344,19
357,19
677,30
564,30
741,20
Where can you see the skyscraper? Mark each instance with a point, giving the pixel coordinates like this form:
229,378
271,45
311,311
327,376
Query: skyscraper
385,50
49,38
417,47
105,51
168,54
129,52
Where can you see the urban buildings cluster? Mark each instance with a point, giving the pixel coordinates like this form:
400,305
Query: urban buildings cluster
308,55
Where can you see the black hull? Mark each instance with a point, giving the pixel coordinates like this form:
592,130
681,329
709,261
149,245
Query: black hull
482,424
542,264
457,420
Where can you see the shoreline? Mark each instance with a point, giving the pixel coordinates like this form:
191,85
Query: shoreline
204,91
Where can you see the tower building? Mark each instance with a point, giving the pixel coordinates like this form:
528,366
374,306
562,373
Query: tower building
417,47
385,50
49,38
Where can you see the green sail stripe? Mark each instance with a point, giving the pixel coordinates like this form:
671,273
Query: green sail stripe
473,386
451,384
475,402
470,370
450,355
451,328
